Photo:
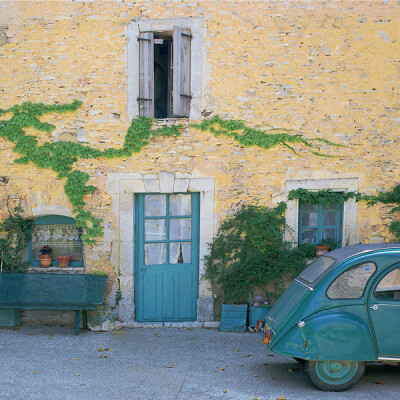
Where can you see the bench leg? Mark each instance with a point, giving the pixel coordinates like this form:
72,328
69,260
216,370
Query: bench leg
77,322
84,319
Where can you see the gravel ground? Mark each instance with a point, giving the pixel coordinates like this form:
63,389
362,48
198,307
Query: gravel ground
47,363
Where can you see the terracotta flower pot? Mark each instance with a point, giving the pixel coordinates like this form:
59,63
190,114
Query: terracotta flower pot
63,261
321,250
45,260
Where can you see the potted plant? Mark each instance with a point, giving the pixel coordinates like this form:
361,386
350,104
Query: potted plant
324,246
257,310
16,234
63,261
249,252
45,256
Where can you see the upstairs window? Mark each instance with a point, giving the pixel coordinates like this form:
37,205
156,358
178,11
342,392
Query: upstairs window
61,234
318,222
164,73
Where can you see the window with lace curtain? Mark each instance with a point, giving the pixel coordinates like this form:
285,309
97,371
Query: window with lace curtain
319,222
61,234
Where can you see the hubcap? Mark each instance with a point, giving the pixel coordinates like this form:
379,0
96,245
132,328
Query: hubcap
336,372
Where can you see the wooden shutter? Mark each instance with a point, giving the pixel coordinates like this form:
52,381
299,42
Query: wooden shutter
181,72
146,74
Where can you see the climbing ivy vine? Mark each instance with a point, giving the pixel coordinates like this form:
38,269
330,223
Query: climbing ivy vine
328,196
391,198
247,136
61,156
249,252
18,234
325,197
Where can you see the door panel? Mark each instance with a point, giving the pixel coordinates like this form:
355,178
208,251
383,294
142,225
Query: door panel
384,309
166,257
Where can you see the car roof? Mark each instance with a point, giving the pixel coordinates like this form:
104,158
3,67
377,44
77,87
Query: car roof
349,251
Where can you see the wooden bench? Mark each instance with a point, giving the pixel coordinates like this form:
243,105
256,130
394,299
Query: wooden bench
52,292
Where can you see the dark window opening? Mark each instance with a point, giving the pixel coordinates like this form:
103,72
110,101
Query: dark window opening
164,73
163,67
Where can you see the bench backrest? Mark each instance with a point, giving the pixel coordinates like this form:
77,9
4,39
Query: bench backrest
37,289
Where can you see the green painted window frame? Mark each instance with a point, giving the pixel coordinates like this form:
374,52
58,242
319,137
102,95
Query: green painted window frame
52,220
321,209
141,218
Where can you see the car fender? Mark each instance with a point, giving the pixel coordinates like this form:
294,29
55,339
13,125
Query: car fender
328,335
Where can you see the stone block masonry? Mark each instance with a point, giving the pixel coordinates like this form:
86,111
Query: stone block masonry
323,69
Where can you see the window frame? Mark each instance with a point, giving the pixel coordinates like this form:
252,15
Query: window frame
349,228
181,68
380,279
320,226
197,56
53,220
346,270
141,219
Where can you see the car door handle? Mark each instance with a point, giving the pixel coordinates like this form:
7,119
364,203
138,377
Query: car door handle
374,307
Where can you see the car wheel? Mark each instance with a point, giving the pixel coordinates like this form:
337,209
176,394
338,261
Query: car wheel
335,376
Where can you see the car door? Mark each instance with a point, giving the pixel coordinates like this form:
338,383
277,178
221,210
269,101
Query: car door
384,311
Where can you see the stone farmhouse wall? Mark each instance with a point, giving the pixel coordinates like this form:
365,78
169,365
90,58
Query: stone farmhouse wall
322,69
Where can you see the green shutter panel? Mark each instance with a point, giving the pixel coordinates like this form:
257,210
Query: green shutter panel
146,74
181,72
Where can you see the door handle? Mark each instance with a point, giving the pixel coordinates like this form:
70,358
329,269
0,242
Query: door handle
374,307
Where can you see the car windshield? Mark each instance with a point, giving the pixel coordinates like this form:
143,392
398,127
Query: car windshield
316,269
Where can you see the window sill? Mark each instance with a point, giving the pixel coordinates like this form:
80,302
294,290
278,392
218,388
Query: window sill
171,121
58,270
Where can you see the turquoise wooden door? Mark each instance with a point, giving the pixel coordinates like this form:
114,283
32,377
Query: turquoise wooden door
166,257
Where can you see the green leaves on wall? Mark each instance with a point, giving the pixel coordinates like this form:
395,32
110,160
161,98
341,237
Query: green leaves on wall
325,197
248,251
255,137
328,196
61,156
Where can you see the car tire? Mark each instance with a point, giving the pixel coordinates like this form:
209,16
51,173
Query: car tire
335,376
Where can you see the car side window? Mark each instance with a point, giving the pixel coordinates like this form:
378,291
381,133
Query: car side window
351,283
389,286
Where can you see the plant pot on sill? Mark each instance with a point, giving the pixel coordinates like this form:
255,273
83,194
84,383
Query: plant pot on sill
63,261
256,313
234,317
321,250
45,260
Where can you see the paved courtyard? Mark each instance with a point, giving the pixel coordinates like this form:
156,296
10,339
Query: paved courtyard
48,363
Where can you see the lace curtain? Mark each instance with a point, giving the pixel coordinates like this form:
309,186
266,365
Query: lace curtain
64,239
180,229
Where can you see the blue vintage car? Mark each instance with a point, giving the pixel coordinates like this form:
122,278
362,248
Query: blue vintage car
339,313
